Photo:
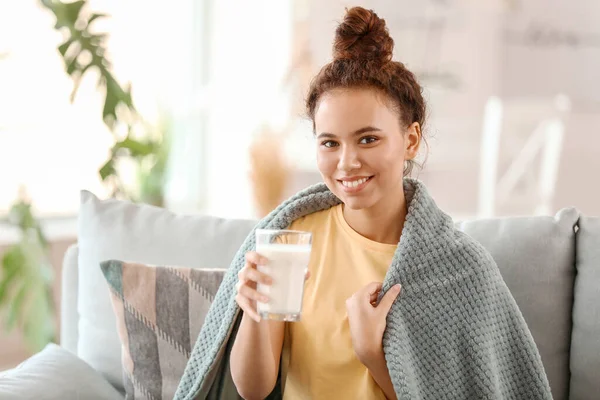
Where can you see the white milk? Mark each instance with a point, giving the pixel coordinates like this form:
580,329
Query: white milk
287,266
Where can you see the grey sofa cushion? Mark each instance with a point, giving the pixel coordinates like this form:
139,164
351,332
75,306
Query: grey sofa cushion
536,257
113,229
55,374
585,345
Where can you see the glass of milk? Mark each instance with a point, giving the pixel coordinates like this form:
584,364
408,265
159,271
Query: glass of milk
288,253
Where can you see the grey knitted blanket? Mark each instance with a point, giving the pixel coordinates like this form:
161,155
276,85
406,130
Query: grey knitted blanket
455,332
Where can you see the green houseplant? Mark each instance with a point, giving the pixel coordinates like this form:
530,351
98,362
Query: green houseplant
84,50
25,273
26,280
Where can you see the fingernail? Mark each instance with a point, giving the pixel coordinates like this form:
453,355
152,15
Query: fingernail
268,281
397,287
264,299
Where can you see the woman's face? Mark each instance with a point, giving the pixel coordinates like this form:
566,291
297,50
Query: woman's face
362,146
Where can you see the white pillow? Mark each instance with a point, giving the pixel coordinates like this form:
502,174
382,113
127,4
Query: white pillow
55,374
114,229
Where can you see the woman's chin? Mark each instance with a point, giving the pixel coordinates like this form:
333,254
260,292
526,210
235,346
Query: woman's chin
356,202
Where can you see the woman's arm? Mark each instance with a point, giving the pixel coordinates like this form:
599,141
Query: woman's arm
367,324
381,375
254,360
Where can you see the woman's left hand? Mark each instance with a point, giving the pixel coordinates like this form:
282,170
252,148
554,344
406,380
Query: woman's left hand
368,321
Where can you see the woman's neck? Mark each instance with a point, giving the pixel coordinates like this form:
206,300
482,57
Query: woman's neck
383,222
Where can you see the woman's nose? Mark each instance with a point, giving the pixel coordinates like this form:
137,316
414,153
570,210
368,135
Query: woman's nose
349,160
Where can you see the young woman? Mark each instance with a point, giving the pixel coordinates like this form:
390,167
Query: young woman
453,332
368,114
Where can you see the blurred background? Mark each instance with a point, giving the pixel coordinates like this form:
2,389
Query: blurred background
197,106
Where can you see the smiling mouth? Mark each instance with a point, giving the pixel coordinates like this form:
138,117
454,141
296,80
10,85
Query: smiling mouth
354,185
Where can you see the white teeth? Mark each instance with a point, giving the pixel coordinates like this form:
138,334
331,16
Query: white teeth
355,183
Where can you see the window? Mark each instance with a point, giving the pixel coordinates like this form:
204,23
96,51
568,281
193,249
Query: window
215,72
47,145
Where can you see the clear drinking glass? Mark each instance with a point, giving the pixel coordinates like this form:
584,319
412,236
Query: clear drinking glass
288,253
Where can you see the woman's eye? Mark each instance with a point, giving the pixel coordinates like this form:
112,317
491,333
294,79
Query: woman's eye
368,140
329,143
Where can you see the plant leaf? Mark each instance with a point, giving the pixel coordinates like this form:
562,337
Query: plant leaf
38,326
97,40
115,95
107,169
109,112
69,12
72,10
22,214
137,148
12,260
16,306
66,13
62,49
72,64
94,17
77,80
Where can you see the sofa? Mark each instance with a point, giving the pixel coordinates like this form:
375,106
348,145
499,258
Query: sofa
551,264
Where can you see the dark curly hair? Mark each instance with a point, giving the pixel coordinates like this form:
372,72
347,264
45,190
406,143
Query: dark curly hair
362,57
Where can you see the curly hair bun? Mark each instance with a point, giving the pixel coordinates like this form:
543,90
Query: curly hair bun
363,36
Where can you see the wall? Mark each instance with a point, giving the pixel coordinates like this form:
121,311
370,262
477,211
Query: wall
465,52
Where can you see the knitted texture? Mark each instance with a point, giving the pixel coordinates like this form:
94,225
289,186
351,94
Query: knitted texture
455,331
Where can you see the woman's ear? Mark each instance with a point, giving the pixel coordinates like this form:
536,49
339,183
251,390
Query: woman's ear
413,141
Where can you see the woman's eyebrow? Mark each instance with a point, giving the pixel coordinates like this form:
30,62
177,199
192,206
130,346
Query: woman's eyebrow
357,132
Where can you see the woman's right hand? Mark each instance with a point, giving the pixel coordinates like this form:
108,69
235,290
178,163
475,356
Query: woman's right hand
247,294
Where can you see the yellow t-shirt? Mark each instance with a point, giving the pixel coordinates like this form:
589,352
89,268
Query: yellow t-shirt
319,360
